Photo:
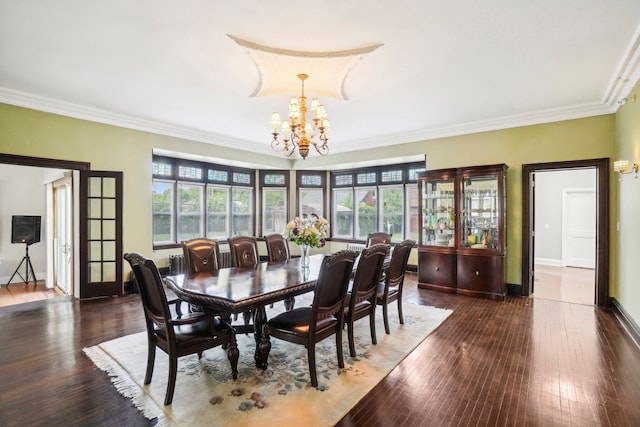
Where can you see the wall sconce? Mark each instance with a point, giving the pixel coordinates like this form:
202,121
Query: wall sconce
622,166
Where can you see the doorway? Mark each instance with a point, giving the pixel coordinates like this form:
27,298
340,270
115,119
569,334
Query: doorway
601,218
63,234
565,235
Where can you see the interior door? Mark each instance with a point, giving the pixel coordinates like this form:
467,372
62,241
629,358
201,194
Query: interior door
63,234
100,234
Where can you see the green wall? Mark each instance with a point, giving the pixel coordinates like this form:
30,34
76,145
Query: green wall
32,133
624,285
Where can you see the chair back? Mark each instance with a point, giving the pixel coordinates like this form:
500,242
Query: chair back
201,255
368,273
277,247
154,299
331,286
244,251
398,264
377,238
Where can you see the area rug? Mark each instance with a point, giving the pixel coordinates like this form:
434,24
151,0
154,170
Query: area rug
281,395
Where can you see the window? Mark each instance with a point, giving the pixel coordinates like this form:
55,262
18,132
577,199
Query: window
163,202
385,200
311,192
190,197
196,199
274,186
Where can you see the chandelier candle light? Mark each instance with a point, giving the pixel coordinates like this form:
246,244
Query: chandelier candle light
310,231
297,132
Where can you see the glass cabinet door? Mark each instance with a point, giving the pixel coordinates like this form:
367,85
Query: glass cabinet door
438,212
480,212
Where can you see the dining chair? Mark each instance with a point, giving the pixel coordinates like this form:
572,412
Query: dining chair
277,247
278,251
177,336
244,251
325,316
201,255
390,289
378,237
361,299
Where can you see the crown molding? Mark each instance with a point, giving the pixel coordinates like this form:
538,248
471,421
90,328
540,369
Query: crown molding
512,121
627,73
63,108
36,102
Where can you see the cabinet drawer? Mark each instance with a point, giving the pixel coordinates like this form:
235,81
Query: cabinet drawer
481,275
437,271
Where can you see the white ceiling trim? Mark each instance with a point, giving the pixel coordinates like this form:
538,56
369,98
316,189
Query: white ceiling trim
627,73
506,122
22,99
49,105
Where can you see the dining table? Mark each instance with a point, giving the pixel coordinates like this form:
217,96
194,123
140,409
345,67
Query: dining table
238,290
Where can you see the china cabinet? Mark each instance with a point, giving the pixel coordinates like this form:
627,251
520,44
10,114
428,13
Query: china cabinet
462,242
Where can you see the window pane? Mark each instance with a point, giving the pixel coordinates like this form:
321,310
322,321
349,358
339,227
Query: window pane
311,201
241,207
163,169
343,213
311,180
367,212
274,179
343,179
241,178
190,172
366,178
274,210
218,176
412,213
217,212
393,212
391,176
162,212
190,211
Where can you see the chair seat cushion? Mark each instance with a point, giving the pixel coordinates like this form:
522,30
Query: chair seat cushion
360,306
297,321
380,291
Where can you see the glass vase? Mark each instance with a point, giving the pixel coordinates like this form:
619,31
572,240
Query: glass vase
304,255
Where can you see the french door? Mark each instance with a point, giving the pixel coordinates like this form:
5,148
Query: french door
101,231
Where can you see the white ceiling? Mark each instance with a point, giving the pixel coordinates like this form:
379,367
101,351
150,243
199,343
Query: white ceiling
444,68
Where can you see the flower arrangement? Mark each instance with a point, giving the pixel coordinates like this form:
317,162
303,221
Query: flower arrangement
309,230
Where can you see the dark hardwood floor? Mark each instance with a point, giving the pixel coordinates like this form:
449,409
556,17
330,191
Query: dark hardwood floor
521,362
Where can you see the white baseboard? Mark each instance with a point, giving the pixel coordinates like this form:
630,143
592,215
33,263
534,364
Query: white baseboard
549,261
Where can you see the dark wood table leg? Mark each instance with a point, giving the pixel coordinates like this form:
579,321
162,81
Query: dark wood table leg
263,345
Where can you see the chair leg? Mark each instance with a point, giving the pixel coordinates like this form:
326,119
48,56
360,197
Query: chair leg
289,303
233,354
372,326
311,355
352,344
385,316
151,359
171,384
339,347
400,309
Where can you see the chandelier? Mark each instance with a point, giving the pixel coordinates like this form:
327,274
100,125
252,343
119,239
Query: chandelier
297,132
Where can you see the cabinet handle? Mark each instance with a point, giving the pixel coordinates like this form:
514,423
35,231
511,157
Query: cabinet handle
437,268
477,273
